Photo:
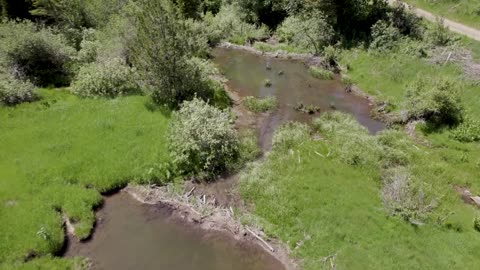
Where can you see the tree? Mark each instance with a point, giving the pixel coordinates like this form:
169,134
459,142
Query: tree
162,54
15,9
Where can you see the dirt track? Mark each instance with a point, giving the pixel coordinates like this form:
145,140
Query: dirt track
453,26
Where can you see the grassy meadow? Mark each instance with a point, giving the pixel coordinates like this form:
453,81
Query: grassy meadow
59,153
463,11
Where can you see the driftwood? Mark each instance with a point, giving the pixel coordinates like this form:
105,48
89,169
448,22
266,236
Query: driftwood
190,192
261,240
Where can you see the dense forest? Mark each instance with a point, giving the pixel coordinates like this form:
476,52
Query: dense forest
99,94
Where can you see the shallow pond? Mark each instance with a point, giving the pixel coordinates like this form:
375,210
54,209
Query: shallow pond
131,235
291,84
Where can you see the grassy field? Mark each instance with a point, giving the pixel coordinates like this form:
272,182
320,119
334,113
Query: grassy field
58,154
462,11
322,206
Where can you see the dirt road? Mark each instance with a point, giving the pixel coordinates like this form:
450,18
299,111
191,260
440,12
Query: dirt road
453,26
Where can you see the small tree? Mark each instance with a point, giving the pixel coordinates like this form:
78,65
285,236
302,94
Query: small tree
384,36
203,142
161,54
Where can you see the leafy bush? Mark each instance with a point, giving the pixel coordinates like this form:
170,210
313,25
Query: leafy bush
203,142
106,79
331,55
37,55
467,131
438,102
13,91
309,32
289,135
320,73
260,104
227,25
384,36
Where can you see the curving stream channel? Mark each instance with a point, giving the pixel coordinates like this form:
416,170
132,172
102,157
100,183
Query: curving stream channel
131,235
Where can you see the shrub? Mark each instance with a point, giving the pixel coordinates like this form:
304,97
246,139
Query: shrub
203,142
320,73
438,102
227,25
402,198
260,104
289,135
37,55
331,55
476,224
439,34
13,91
395,148
106,79
384,36
309,32
467,131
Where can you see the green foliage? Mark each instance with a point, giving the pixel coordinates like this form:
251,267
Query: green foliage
436,101
439,34
227,25
35,54
310,32
260,104
202,140
384,36
321,73
13,91
266,12
467,131
405,21
289,135
331,55
110,79
162,57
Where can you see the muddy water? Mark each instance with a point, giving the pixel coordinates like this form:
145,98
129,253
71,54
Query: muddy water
131,235
291,84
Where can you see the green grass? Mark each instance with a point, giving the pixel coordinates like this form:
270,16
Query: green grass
462,11
320,73
58,154
260,105
320,205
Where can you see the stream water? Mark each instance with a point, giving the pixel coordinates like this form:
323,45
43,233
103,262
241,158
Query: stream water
291,84
131,235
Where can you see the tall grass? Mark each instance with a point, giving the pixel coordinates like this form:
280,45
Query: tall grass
58,154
